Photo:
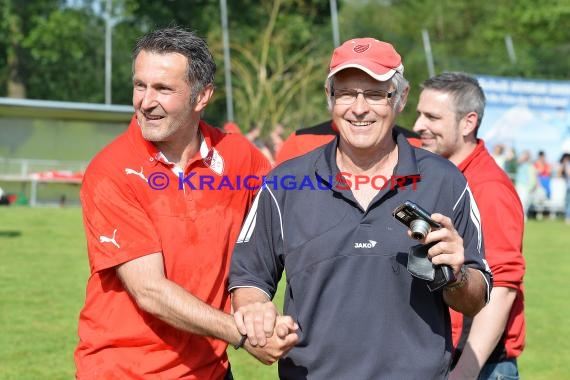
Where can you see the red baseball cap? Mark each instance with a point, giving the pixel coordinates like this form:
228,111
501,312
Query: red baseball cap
376,58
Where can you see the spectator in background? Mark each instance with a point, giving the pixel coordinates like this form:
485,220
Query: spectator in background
450,110
361,314
564,172
156,304
511,163
231,127
304,140
254,135
525,181
499,155
3,198
543,172
276,137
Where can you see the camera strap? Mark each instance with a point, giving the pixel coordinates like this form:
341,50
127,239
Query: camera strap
421,267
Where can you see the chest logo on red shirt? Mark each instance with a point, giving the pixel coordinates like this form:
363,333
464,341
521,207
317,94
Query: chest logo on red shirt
106,239
132,171
214,161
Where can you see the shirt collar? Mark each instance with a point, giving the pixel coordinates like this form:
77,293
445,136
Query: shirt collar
149,152
480,147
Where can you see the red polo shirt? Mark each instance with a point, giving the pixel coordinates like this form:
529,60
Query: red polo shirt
134,204
502,219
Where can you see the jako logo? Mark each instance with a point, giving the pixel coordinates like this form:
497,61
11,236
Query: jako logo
370,244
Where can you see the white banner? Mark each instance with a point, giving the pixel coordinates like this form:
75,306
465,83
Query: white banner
527,114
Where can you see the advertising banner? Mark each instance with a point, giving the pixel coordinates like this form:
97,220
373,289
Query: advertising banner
526,114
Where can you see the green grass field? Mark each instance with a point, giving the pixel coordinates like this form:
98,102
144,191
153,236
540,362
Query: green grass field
43,271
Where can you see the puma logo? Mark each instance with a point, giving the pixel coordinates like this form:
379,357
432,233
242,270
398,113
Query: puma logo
140,174
105,239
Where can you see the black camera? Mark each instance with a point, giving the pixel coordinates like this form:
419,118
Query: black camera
419,221
416,219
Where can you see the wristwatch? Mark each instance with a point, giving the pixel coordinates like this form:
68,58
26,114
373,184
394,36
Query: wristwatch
461,283
241,342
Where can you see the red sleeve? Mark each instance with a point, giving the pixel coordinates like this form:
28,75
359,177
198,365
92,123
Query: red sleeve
289,149
116,226
503,224
297,145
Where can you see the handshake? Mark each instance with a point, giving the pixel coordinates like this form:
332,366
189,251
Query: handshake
270,336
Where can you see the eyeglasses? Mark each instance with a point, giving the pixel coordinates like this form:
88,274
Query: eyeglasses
372,97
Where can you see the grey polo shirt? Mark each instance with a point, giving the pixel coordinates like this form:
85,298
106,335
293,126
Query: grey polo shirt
361,315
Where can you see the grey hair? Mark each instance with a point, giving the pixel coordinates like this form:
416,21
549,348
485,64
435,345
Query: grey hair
398,80
201,67
468,96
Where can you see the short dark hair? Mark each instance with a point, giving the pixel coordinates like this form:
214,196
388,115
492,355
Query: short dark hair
201,65
467,93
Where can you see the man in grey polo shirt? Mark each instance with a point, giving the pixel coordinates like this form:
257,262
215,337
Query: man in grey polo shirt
360,313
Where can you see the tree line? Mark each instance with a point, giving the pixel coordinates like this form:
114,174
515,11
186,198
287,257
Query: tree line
55,49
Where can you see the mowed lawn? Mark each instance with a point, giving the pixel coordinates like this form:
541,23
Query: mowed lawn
43,271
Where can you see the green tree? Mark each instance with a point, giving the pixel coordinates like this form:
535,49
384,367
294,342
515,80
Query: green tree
278,77
54,49
467,36
67,50
274,48
18,18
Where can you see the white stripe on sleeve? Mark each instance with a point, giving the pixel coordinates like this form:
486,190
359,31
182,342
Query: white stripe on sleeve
249,224
474,215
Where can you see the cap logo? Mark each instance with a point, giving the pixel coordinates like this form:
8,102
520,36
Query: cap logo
361,48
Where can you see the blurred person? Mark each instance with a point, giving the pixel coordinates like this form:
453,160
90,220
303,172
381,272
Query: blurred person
276,137
254,135
511,163
304,140
543,172
499,155
525,181
3,198
564,172
450,110
231,127
156,304
361,314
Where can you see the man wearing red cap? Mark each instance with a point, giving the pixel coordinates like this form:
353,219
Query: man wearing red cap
360,313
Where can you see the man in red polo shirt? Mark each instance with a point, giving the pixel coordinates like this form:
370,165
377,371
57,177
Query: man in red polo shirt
162,207
450,110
